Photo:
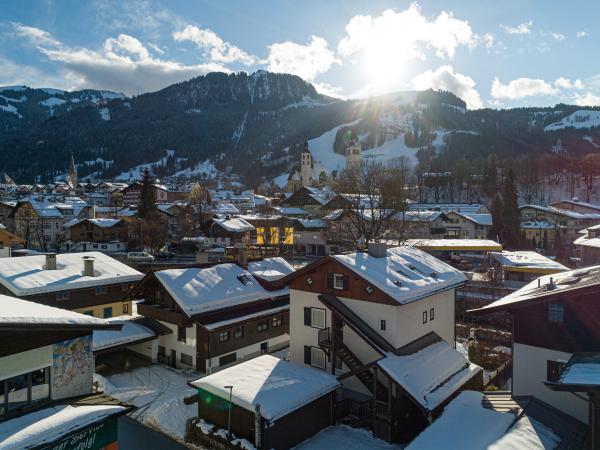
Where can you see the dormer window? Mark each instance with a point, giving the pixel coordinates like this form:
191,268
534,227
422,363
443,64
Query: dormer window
244,279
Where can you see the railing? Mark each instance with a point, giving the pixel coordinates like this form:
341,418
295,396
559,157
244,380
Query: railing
325,337
355,409
501,375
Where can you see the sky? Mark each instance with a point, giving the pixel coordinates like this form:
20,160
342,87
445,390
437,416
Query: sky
494,54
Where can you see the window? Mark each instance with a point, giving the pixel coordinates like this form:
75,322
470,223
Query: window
89,312
186,359
424,316
277,321
107,313
181,333
125,308
314,317
556,313
553,370
263,325
382,325
338,281
23,390
238,333
101,290
314,356
431,314
227,359
223,336
64,295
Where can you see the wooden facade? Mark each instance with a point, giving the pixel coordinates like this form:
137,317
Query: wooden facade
87,231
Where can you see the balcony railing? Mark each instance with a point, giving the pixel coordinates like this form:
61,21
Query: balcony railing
325,337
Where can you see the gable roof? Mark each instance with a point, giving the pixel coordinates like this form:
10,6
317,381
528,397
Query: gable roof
524,260
270,269
200,290
405,274
27,275
545,287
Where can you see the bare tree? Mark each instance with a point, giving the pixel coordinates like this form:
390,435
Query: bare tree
375,193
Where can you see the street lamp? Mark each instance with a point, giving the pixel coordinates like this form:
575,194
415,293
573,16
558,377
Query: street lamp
229,416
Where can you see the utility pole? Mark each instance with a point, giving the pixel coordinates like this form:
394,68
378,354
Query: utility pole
229,416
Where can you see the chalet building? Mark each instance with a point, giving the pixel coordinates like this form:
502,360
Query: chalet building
130,195
310,199
311,237
91,283
97,230
416,224
227,230
6,216
8,239
270,230
219,314
274,403
539,233
464,208
554,317
576,206
459,225
46,380
521,267
40,222
566,221
588,246
383,322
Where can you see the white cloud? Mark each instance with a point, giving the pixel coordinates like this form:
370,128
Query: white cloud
445,78
558,36
122,64
328,89
405,35
488,40
521,88
582,33
587,99
565,83
13,73
215,48
306,61
523,28
156,48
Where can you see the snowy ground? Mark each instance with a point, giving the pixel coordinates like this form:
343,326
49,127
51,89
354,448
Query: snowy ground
158,393
345,438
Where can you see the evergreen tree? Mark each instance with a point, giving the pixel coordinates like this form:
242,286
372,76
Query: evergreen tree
558,242
496,210
533,243
147,197
490,177
511,213
545,240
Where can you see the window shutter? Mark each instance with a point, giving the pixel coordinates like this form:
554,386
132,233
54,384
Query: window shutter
307,316
330,280
346,282
306,354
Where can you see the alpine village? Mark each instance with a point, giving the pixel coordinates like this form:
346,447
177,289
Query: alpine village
228,258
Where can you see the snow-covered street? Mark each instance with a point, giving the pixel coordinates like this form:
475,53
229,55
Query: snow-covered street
158,393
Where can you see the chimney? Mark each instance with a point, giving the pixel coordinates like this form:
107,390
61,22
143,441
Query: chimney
88,266
377,249
241,256
50,261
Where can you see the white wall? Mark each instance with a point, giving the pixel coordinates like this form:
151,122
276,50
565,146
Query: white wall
148,349
529,374
301,335
249,352
170,342
404,323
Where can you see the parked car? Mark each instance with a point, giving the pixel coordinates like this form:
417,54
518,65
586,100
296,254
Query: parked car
140,257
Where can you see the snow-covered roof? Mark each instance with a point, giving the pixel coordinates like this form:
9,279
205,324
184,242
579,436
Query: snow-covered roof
418,216
465,208
480,219
522,260
406,273
334,215
226,208
582,370
586,241
290,210
548,285
312,223
234,224
564,212
131,332
27,275
578,203
102,223
198,290
430,375
270,269
278,386
50,424
466,424
537,223
15,311
455,244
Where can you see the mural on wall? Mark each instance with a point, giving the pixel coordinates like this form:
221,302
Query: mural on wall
72,367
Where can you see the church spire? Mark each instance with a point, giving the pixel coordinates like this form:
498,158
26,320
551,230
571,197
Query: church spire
72,173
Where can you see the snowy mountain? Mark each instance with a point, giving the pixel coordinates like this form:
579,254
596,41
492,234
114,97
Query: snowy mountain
256,124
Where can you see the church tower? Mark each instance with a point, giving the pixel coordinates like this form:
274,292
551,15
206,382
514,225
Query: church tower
306,166
353,156
72,173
